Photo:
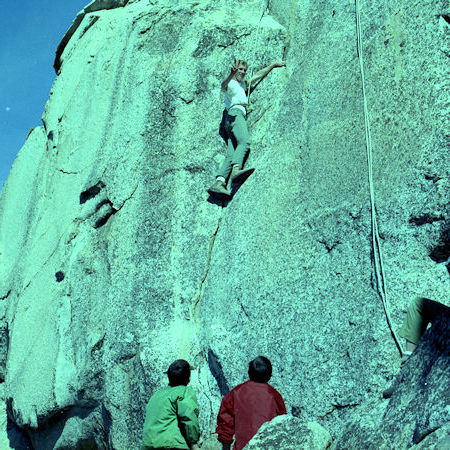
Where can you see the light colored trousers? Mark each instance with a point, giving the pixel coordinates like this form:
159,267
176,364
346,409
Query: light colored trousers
238,140
421,312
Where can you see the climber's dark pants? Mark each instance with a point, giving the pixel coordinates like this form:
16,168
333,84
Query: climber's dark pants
234,131
421,312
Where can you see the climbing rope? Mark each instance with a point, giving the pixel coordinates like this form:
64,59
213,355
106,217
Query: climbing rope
377,254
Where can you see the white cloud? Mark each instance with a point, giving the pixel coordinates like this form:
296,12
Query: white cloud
7,108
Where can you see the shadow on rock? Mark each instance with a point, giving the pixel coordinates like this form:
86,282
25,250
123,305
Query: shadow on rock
417,415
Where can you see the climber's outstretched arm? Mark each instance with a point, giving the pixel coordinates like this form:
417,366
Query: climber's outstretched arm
264,72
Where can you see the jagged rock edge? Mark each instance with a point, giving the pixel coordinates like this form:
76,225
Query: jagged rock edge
92,7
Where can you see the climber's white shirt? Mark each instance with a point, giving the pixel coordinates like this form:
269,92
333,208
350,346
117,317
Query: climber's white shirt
235,96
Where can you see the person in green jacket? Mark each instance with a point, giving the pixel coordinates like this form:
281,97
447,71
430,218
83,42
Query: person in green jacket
171,416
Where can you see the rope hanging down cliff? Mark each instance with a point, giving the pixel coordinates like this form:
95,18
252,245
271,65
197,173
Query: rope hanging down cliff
377,254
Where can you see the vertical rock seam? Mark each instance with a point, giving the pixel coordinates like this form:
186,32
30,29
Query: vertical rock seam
208,263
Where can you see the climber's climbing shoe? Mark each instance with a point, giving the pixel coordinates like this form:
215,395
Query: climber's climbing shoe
387,393
238,175
219,191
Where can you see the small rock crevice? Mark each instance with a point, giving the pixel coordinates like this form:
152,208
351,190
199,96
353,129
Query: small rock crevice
128,198
329,246
67,173
91,192
420,436
244,311
59,276
187,101
235,39
106,209
338,406
97,348
4,297
425,218
440,253
446,18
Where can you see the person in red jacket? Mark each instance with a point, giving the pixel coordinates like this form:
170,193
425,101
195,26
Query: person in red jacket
245,408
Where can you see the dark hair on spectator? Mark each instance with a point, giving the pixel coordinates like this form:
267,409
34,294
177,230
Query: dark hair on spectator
179,373
260,369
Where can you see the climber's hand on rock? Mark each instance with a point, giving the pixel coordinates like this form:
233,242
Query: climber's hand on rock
235,66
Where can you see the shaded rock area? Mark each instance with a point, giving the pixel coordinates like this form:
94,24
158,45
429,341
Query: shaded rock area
114,261
418,414
290,433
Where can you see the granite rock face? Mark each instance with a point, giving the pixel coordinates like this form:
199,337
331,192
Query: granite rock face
113,261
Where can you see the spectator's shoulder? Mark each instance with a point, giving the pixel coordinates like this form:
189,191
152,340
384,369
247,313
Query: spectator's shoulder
273,390
189,392
243,385
235,390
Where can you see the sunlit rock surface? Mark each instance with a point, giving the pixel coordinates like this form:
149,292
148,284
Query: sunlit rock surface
290,433
113,262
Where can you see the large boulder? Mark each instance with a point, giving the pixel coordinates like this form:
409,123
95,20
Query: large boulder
290,433
114,262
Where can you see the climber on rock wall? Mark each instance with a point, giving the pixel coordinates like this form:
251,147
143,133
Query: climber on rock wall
421,312
171,417
233,127
246,407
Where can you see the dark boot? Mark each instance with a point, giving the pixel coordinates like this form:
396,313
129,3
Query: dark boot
219,190
387,393
238,175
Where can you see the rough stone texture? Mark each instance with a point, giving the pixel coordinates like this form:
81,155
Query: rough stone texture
113,262
4,440
290,433
418,414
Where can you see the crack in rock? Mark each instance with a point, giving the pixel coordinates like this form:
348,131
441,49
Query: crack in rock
128,198
330,246
208,263
338,406
6,296
236,38
425,218
106,210
67,173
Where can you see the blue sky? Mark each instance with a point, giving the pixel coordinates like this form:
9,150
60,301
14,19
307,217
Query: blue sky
31,31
